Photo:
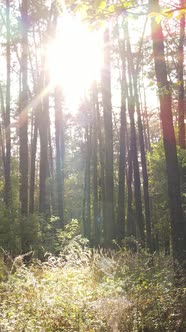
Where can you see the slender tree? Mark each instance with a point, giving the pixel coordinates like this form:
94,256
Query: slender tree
122,152
181,99
60,147
7,189
95,166
108,129
33,163
133,146
101,190
131,224
142,151
23,116
176,212
43,134
87,195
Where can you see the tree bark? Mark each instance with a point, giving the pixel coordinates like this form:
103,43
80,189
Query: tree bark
133,146
131,226
102,174
43,172
108,128
60,148
32,164
143,155
86,198
23,116
7,189
176,212
181,99
122,153
95,170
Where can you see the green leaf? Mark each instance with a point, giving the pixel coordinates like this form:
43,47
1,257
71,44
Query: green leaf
158,18
100,4
168,15
111,9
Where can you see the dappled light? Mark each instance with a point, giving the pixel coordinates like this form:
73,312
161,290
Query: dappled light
92,166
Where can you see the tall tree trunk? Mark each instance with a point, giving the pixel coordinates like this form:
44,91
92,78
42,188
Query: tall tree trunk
122,157
131,225
59,135
146,124
23,116
107,108
145,179
2,139
176,212
133,146
51,171
95,171
137,182
32,164
43,172
182,105
86,198
7,190
2,149
102,173
143,154
181,101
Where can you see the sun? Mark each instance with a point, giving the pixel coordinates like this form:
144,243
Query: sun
74,58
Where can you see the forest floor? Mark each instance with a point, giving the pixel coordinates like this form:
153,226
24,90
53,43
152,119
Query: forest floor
90,290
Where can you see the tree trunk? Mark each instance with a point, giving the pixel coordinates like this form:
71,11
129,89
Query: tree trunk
59,135
122,157
143,155
2,140
102,174
95,171
86,198
131,226
107,109
145,181
181,101
177,221
32,164
7,189
23,116
43,133
133,146
43,172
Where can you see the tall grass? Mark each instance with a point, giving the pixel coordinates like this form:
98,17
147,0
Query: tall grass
90,290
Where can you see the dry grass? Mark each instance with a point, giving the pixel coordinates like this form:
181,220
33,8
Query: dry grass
91,290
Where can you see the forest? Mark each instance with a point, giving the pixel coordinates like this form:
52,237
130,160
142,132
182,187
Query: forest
92,166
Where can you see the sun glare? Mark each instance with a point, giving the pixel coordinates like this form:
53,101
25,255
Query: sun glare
74,57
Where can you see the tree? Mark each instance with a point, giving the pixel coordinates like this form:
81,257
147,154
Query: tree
134,74
181,101
7,188
109,226
87,194
43,134
176,212
95,165
33,161
60,147
134,152
23,111
122,153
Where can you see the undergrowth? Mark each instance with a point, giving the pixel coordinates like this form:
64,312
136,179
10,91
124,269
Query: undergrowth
90,290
